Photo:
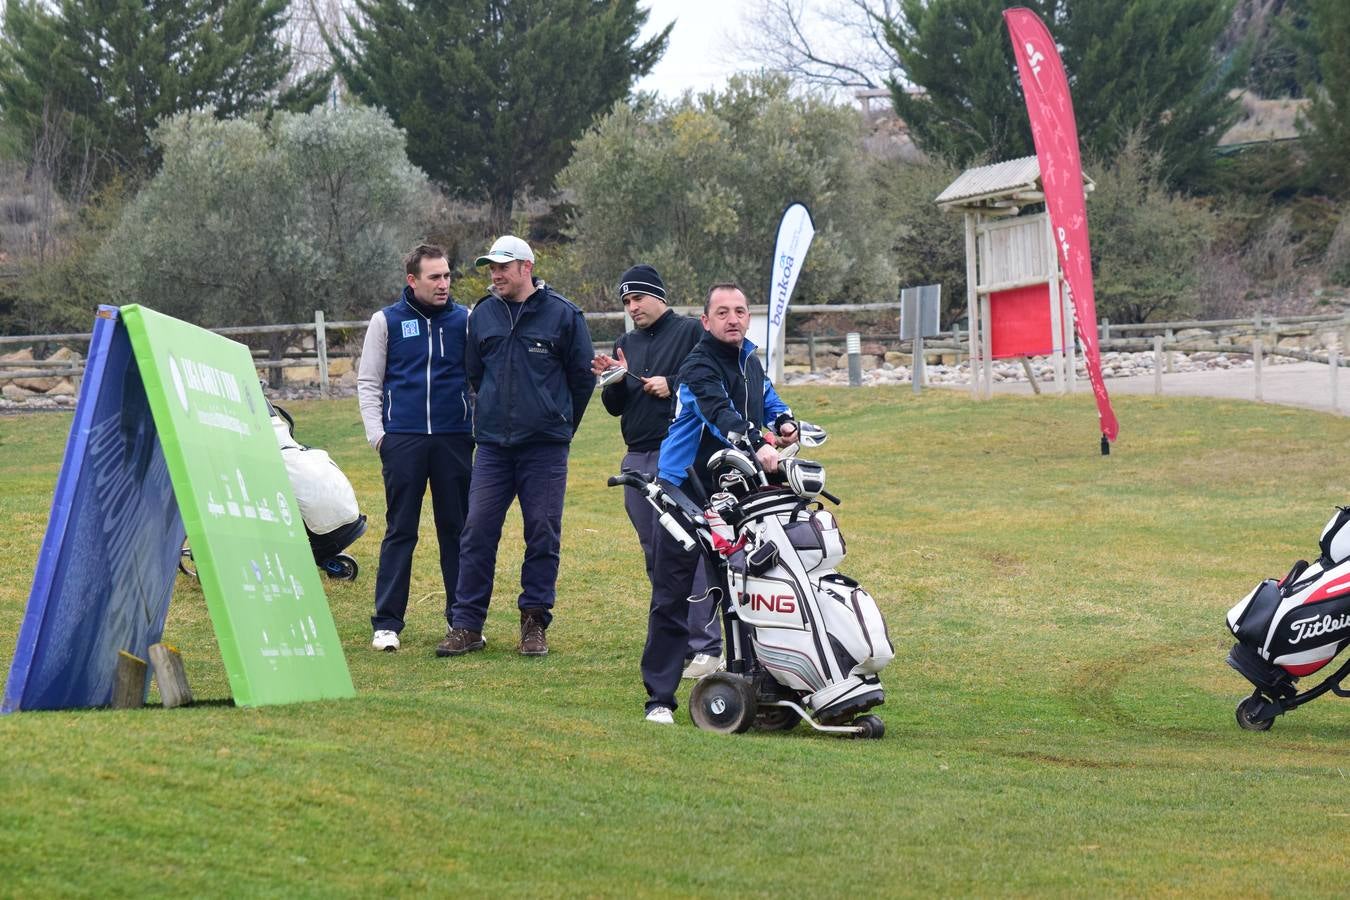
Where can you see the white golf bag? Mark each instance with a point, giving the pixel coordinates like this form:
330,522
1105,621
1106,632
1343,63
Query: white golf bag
802,639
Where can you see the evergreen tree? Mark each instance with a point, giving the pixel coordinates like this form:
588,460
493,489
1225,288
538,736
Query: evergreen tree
492,93
1134,64
1326,126
102,73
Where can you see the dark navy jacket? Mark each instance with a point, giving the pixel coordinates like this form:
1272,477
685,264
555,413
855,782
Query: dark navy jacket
531,372
658,350
424,388
722,390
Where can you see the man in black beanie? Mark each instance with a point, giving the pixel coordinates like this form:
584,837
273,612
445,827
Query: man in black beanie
644,399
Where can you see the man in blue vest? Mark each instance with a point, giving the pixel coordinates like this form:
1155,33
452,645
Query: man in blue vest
529,361
413,392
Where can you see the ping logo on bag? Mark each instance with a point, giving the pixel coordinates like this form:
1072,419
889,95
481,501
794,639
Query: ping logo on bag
779,603
410,328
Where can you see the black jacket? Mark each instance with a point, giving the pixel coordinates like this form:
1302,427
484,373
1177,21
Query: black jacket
658,350
531,374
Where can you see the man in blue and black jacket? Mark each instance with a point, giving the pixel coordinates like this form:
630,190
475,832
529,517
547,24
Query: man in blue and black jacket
529,360
723,392
414,396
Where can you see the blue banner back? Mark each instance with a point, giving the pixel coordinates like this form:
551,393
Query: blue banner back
107,565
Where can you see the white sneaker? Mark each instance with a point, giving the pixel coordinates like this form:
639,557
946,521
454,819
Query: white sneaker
385,640
703,664
661,715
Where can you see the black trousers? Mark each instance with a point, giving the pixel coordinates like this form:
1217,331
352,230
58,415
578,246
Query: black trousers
673,570
409,463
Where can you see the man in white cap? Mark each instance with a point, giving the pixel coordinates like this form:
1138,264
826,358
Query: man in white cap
528,358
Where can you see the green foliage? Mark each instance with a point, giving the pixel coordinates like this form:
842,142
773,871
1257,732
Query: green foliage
102,74
1143,65
696,188
1146,241
927,244
492,93
258,223
1284,53
1327,127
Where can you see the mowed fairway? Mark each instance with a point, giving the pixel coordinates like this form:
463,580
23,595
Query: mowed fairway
1059,715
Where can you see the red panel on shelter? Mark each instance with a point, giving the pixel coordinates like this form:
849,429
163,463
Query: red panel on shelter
1021,322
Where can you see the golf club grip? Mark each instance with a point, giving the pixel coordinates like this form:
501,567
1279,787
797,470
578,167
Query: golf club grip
831,497
679,534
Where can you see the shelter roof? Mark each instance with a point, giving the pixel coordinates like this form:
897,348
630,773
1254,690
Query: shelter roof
1014,179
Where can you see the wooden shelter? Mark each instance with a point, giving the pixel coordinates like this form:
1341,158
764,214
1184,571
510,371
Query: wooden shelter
1017,297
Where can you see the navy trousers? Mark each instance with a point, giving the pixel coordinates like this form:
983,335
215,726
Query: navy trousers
673,570
536,474
408,463
705,625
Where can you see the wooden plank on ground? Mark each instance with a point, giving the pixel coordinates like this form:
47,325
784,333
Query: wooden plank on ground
170,676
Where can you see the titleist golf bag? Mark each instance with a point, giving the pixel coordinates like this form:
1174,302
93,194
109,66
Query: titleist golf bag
1291,628
802,639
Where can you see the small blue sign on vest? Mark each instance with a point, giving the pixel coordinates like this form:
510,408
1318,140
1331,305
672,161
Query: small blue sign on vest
107,565
410,328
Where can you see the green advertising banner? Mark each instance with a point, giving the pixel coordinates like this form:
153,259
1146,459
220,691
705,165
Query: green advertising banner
271,618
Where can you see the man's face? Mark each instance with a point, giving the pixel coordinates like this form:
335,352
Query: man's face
644,308
728,316
512,279
431,285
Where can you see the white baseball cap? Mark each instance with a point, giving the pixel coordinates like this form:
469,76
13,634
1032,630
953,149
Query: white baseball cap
507,248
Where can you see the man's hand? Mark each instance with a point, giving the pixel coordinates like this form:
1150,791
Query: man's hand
768,457
601,363
787,434
657,386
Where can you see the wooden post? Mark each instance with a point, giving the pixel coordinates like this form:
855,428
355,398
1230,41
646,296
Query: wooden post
987,345
128,682
1334,362
1157,364
811,351
167,663
916,363
973,306
1031,376
321,350
1105,331
1171,354
956,339
1256,366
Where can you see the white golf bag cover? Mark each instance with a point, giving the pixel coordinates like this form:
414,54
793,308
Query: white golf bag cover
327,501
815,629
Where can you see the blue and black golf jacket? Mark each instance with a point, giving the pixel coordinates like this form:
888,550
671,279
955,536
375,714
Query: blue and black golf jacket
530,365
723,390
412,378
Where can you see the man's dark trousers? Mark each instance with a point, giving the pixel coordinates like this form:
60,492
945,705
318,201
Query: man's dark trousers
668,621
705,625
537,475
408,462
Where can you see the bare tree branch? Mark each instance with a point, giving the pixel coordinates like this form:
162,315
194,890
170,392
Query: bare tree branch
837,44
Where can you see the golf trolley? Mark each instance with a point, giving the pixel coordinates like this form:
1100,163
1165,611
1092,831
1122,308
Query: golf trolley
803,641
1293,627
327,501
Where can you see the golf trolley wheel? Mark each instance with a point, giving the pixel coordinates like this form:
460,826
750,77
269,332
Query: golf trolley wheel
1246,710
776,718
184,562
872,727
341,567
724,703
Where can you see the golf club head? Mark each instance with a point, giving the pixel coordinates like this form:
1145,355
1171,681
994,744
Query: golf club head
809,435
612,374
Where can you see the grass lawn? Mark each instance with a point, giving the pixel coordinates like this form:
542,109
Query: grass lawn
1059,715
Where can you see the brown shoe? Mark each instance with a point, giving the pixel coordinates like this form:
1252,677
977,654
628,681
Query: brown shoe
459,641
532,640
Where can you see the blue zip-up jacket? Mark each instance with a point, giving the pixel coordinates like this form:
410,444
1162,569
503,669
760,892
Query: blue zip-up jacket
723,390
529,364
412,378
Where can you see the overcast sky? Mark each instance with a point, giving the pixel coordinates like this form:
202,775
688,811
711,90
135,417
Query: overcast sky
702,50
